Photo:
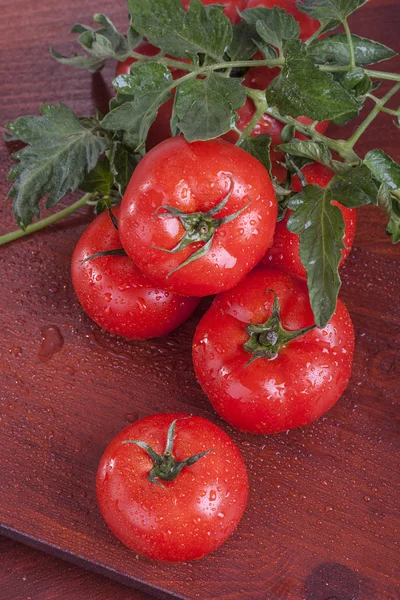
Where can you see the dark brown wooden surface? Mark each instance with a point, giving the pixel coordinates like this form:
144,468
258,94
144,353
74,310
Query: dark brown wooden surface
322,520
27,574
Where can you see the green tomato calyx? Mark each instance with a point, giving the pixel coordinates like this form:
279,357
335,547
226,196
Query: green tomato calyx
266,339
199,227
166,467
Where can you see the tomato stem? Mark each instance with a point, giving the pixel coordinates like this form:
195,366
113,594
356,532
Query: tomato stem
266,339
19,233
372,115
166,467
351,46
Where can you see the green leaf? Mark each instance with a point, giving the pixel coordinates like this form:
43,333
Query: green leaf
140,95
273,25
166,25
393,227
320,226
355,81
205,108
288,133
107,41
122,162
242,46
100,44
302,89
383,168
266,50
89,63
61,151
315,151
276,26
391,206
99,180
324,10
259,147
335,50
354,187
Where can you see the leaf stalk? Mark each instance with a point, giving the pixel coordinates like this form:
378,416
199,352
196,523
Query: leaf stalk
19,233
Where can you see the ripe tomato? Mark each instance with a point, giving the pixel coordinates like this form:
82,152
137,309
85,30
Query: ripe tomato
161,511
115,294
291,383
285,250
308,26
197,217
231,7
161,128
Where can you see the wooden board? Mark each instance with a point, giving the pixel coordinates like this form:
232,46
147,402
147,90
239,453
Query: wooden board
30,574
321,520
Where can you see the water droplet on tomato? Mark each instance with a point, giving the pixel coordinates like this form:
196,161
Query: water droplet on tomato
213,495
107,297
141,304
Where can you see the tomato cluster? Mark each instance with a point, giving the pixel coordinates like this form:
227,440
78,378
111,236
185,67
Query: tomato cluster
199,219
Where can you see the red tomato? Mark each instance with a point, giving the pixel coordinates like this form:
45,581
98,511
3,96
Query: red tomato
116,295
179,519
181,195
298,382
285,251
231,7
161,128
308,26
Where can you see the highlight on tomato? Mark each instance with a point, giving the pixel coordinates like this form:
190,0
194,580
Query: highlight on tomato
262,362
285,250
114,293
172,487
197,217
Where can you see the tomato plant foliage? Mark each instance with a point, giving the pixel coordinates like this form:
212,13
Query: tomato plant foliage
323,78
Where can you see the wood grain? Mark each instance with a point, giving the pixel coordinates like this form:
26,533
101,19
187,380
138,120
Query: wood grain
322,520
27,574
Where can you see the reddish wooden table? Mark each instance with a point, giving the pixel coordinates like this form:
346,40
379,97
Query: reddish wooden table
322,520
28,574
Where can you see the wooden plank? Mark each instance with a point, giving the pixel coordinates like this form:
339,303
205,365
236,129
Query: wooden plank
32,575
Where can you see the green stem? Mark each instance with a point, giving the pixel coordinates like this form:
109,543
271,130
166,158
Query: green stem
338,146
315,35
382,75
19,233
350,42
261,108
369,72
389,111
278,62
372,115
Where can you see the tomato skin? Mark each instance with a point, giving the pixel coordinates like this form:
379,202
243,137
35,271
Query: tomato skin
116,295
231,7
160,130
196,177
300,384
308,26
190,516
285,250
